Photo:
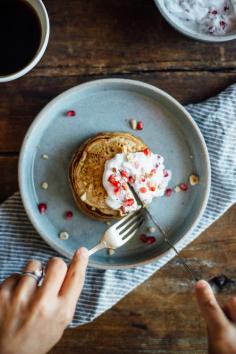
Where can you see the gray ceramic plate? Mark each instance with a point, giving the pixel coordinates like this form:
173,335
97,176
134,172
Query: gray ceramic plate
107,105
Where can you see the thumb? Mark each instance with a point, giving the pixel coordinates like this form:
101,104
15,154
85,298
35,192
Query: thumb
209,307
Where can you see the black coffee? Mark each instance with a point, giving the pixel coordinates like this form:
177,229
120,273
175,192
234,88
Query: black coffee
20,35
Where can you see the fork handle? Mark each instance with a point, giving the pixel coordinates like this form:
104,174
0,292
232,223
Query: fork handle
98,247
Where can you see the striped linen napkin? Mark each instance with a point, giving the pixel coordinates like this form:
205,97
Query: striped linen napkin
19,242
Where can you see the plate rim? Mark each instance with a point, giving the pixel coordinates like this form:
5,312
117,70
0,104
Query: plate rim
109,81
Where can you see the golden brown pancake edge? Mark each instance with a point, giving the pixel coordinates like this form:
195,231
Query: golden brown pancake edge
87,166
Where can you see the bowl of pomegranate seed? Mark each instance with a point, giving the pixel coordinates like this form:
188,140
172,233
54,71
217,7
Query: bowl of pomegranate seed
88,145
204,20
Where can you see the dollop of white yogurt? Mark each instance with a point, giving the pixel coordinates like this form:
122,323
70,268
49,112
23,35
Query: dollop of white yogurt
216,17
144,170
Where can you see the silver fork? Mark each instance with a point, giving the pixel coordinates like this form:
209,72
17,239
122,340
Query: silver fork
121,232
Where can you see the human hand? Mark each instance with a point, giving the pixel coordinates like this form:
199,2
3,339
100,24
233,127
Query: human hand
32,318
221,322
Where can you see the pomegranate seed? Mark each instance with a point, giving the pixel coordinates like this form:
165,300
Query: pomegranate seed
222,24
114,169
68,215
147,239
116,184
168,192
143,238
214,12
183,187
153,171
165,173
112,180
124,174
147,151
129,202
70,113
140,125
117,191
150,240
142,179
131,179
142,190
152,188
42,208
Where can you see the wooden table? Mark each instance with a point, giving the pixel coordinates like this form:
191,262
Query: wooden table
128,38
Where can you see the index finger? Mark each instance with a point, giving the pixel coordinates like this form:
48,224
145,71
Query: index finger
210,309
74,280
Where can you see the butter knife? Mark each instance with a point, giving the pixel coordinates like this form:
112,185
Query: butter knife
163,233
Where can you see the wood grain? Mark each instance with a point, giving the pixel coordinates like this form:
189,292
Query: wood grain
95,39
8,176
110,36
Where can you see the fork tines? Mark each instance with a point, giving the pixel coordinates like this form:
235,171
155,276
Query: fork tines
130,224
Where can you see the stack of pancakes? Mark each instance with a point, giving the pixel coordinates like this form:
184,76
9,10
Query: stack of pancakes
87,168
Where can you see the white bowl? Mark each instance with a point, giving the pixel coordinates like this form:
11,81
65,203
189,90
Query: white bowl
180,27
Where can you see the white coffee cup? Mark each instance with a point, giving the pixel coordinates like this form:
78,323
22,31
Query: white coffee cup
41,11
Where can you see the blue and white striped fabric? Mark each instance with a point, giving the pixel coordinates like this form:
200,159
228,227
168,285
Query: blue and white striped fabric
19,242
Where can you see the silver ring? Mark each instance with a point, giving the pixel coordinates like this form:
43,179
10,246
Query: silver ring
37,275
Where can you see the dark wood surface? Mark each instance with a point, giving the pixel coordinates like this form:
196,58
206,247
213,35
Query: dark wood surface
128,38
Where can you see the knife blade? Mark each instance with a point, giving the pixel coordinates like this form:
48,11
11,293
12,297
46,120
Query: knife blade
162,231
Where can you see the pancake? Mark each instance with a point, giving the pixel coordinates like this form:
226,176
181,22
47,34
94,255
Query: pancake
87,168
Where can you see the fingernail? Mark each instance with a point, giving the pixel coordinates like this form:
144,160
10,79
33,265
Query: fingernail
201,284
82,252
